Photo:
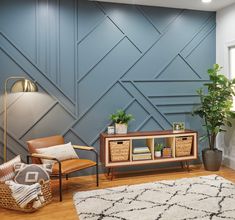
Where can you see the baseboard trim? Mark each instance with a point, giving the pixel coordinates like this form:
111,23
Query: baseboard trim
229,162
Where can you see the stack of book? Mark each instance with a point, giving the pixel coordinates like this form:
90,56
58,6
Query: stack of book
141,153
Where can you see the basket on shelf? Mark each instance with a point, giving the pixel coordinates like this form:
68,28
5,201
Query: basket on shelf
7,201
119,150
183,146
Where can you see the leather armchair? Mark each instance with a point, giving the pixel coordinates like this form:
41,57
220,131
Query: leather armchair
61,168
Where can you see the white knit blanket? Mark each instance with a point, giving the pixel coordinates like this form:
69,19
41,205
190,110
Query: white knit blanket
24,194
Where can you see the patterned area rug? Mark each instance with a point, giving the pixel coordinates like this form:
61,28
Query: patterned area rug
204,198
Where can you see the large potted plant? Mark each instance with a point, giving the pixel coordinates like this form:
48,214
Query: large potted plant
121,120
215,109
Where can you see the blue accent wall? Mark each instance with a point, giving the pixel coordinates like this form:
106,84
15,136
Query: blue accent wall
91,58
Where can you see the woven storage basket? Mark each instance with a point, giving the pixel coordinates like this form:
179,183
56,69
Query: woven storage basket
7,201
183,146
119,150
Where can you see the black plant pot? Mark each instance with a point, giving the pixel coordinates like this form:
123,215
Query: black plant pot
212,159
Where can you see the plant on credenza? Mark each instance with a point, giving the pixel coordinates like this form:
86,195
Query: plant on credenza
158,149
121,120
215,109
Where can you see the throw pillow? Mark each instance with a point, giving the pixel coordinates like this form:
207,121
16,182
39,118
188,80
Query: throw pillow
61,152
28,174
7,169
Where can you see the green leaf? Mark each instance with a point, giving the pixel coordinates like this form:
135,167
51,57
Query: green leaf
216,101
121,117
229,124
202,138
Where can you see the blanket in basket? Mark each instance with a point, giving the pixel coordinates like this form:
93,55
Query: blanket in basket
24,194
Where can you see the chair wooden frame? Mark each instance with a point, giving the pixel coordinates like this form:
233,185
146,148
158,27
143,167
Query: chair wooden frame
60,175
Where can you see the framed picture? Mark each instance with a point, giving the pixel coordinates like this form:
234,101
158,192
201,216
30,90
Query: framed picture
178,127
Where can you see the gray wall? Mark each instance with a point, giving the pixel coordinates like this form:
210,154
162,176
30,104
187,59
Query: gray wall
90,59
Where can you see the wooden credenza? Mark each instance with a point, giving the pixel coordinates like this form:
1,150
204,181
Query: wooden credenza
147,139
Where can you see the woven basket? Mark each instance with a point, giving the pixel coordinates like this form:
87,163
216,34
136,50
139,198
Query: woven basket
119,150
183,146
7,201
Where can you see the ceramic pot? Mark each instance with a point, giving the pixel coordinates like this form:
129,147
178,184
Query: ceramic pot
121,128
158,153
212,159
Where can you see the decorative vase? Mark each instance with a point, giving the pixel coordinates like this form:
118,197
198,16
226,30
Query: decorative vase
121,128
158,154
111,130
212,159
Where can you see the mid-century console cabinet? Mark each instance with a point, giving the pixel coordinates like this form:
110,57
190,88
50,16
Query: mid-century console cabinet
149,139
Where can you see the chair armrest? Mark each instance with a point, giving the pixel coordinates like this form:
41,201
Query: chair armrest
43,156
88,149
83,148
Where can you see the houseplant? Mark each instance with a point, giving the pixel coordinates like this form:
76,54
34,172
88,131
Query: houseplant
121,120
215,109
158,150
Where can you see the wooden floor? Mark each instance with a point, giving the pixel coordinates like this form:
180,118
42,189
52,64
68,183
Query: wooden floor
66,211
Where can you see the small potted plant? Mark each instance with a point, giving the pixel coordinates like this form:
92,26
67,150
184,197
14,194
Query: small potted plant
121,120
215,109
158,150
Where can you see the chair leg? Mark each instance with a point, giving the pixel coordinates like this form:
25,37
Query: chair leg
60,186
28,159
97,168
97,175
67,176
60,182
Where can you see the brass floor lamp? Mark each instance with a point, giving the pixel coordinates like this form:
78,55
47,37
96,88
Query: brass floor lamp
20,85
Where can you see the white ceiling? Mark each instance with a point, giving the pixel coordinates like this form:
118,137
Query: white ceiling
215,5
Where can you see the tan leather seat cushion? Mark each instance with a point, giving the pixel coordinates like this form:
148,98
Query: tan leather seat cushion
68,166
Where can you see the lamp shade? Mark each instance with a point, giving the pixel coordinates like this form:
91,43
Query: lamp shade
24,85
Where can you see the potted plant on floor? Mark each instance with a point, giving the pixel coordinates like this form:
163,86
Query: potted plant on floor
121,120
158,150
215,109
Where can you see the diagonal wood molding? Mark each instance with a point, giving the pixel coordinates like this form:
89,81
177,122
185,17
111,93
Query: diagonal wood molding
91,58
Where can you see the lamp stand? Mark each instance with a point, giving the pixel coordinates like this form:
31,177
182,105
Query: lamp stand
5,116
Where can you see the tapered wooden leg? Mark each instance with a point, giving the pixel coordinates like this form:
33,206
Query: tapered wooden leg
187,162
112,173
182,164
108,173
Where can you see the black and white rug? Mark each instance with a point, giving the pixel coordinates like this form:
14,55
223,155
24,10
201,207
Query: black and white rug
204,198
